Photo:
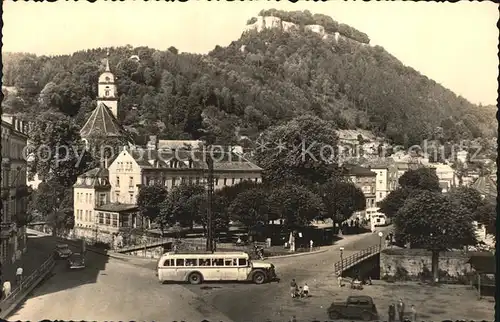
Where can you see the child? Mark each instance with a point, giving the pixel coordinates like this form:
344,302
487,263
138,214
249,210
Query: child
306,290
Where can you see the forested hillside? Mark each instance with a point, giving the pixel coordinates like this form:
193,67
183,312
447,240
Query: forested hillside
262,79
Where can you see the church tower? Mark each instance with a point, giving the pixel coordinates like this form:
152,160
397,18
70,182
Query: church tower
107,93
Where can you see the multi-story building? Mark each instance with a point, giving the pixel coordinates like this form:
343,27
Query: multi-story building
446,175
385,181
364,179
14,189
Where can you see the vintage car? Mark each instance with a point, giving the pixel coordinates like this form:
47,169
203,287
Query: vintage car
76,261
355,307
62,251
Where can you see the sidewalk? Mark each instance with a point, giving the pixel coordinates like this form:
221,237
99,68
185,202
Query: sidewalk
38,250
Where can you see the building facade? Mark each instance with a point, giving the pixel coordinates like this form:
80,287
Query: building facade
385,180
14,195
364,179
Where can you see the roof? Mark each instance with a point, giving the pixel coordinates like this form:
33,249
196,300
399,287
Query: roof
223,161
485,186
117,207
483,264
97,177
179,144
102,121
359,171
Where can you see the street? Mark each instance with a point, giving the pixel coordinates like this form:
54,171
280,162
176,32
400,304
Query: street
113,289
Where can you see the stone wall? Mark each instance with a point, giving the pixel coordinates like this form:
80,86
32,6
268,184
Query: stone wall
415,264
148,253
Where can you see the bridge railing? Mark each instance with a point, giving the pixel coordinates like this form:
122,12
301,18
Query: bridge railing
352,260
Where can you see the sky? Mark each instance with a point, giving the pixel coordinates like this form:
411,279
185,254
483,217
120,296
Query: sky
453,43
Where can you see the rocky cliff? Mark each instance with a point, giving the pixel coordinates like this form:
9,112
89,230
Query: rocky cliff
267,22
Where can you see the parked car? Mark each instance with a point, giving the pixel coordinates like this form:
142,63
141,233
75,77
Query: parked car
76,261
62,251
355,307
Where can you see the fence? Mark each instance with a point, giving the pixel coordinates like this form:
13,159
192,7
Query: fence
352,260
19,292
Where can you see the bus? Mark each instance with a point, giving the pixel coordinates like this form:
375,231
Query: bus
196,268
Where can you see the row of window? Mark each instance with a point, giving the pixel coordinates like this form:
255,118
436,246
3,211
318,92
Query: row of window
208,262
88,215
13,177
88,197
110,219
196,180
124,166
11,149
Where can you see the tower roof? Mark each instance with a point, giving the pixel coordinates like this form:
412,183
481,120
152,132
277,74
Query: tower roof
107,76
102,121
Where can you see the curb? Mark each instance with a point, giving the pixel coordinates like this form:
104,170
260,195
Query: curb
300,254
7,312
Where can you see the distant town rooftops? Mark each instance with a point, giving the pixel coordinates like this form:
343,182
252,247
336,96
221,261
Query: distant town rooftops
356,170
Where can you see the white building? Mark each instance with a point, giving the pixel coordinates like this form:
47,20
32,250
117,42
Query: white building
462,156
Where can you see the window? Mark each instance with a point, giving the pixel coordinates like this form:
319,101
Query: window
217,262
115,220
380,181
191,262
107,92
225,181
256,180
233,180
179,262
117,196
216,181
228,262
242,262
102,199
168,262
380,194
204,262
174,179
108,219
101,218
117,181
91,216
130,182
124,220
197,180
131,198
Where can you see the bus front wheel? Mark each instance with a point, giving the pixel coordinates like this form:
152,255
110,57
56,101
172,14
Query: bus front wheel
194,278
258,278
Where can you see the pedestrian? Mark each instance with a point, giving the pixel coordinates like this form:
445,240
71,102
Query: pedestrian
6,288
339,280
311,243
392,313
293,319
293,288
306,290
19,275
401,310
413,313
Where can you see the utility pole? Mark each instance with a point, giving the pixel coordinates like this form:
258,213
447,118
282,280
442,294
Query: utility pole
210,246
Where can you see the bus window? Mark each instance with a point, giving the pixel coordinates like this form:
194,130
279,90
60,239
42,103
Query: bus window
235,262
228,262
179,262
242,262
204,262
191,262
167,262
217,262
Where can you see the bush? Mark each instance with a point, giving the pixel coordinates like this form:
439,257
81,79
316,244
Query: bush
401,274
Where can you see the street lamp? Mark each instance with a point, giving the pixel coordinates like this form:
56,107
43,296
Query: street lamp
380,234
341,261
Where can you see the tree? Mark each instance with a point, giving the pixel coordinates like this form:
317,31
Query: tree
54,203
486,214
468,197
56,150
250,207
341,199
420,179
102,147
150,201
296,205
302,151
393,201
178,199
433,221
199,204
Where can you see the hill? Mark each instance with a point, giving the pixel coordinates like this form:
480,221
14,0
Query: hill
268,76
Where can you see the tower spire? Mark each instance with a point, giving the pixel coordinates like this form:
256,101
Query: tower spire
107,61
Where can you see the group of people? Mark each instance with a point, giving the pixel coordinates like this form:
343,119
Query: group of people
7,287
351,226
298,291
398,311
